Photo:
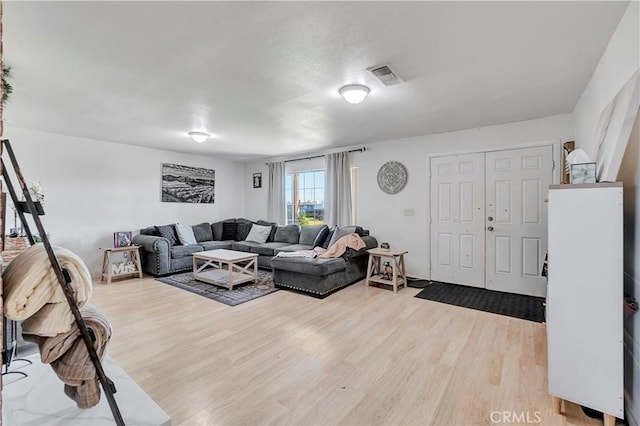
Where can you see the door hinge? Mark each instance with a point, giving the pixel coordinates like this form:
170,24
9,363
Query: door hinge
553,164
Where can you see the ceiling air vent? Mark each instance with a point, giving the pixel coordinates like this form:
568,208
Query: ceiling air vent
385,75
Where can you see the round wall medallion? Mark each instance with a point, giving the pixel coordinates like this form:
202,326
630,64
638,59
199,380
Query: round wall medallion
392,177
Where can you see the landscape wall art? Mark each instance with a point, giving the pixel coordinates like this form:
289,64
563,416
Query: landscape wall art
184,184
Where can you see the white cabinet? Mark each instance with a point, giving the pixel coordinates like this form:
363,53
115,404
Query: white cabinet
584,297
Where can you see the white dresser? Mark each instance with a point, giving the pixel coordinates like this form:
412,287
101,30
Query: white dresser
585,297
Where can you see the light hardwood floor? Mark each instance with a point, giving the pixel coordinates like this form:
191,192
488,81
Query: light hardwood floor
362,356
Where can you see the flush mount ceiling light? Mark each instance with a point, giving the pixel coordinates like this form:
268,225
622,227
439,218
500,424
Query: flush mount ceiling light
354,93
199,137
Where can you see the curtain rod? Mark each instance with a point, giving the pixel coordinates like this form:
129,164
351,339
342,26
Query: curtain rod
363,149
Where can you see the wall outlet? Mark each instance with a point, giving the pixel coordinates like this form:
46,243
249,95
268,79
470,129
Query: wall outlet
409,212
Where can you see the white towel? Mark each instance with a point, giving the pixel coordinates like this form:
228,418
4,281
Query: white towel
30,283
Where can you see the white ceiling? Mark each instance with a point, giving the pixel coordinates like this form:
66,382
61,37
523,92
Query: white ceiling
263,76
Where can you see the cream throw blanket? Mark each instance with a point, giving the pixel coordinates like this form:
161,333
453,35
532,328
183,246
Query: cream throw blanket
339,247
32,292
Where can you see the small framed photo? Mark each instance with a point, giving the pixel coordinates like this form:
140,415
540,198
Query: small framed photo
583,173
122,239
257,180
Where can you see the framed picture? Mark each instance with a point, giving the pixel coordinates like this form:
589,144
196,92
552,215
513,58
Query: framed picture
583,173
122,239
185,184
257,180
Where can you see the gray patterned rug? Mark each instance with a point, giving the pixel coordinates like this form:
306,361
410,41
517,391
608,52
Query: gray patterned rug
240,294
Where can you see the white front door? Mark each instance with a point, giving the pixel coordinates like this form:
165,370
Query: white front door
488,219
517,183
457,219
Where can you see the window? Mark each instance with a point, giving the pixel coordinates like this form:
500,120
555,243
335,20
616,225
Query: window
304,197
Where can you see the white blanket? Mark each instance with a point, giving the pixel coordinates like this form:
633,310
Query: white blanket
31,285
299,253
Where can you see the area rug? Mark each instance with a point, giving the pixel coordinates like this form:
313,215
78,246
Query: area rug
240,294
514,305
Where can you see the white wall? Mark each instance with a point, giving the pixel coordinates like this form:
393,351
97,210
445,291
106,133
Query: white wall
618,63
383,214
94,188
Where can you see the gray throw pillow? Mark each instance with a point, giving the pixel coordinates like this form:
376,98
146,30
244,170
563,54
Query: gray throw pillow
229,230
341,232
327,240
321,237
243,230
216,230
274,227
203,232
168,232
287,234
308,234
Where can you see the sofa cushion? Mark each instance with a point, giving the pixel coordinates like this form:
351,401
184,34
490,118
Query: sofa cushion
243,245
178,252
229,230
309,266
168,232
287,234
308,234
259,233
293,247
203,232
267,249
215,245
274,227
327,240
243,230
322,235
216,230
341,232
185,234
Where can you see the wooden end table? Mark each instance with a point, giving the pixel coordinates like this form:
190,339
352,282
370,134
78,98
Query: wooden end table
212,271
376,274
111,270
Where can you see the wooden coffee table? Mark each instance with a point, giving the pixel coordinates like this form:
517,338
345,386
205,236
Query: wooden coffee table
220,267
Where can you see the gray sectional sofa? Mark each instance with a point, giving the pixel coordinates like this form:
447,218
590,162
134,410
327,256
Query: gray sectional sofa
162,252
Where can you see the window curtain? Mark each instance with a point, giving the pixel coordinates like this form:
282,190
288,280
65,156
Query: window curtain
275,203
337,204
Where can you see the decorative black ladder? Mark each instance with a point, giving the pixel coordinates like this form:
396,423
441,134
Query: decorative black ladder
35,209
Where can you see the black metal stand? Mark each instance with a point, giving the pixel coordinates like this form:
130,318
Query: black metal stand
35,209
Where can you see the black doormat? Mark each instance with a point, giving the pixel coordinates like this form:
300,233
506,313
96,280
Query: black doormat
514,305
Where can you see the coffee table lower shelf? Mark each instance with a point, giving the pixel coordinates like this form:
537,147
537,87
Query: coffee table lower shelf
223,278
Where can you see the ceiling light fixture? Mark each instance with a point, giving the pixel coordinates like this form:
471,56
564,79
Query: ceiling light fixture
354,93
199,137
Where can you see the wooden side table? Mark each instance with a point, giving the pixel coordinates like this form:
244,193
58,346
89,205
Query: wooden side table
376,274
111,270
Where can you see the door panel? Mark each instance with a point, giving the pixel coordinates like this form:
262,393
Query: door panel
457,219
517,182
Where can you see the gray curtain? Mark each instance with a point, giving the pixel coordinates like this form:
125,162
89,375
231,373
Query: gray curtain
337,191
275,203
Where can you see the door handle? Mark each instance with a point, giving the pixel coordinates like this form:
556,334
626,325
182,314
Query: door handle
490,218
490,228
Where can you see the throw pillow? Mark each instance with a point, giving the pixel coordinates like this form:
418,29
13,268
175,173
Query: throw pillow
274,227
287,234
216,230
308,234
327,240
168,232
322,235
203,232
341,232
243,230
185,234
229,230
259,234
